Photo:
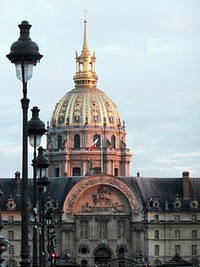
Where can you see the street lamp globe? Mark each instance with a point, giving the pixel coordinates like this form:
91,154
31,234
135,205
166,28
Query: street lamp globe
42,163
36,128
24,53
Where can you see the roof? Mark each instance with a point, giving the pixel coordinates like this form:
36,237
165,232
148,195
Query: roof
164,189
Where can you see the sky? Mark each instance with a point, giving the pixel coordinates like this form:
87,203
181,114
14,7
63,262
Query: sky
148,63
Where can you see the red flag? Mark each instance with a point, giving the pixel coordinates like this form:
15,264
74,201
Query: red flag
94,144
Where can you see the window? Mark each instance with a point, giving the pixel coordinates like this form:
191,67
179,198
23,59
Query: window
84,229
177,218
84,263
11,263
76,141
11,249
76,171
194,250
157,263
113,141
10,218
157,252
121,229
116,172
194,218
57,172
90,66
98,144
10,234
97,170
177,234
103,229
194,234
195,263
177,249
81,66
59,142
156,234
156,218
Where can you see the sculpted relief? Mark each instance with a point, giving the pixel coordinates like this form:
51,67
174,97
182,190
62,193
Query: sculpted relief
103,199
100,194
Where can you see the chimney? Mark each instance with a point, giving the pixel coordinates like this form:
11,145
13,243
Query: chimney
17,183
186,185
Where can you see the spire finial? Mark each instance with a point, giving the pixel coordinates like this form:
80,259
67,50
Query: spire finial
85,64
85,39
85,11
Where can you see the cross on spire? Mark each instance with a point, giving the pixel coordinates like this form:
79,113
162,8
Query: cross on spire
85,11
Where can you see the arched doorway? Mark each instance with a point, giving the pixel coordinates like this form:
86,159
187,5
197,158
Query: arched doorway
101,257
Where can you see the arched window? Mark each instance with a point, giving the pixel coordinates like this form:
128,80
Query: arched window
156,234
59,142
177,234
76,141
113,141
157,250
90,66
195,262
116,172
76,171
81,66
157,262
194,234
12,252
84,263
98,144
11,234
11,262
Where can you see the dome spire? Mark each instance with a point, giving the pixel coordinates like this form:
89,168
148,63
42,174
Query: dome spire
85,38
85,64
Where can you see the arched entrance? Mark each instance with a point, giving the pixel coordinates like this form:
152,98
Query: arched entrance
101,256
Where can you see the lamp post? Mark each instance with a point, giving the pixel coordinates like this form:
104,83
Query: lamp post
36,128
24,53
42,182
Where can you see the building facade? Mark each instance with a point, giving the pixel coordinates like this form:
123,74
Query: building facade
103,215
100,218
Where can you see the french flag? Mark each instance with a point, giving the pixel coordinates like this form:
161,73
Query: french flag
94,144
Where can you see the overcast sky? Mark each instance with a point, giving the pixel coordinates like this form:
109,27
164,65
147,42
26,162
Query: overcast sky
148,63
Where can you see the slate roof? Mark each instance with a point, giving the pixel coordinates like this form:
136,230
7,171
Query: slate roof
145,188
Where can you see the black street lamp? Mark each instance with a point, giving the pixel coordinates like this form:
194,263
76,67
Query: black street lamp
36,128
24,53
42,182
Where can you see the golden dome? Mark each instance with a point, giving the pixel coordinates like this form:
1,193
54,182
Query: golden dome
85,106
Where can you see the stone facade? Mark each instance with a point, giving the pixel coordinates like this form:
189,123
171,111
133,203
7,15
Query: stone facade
97,217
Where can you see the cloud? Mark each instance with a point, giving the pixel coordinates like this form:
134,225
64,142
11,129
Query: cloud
187,154
170,158
156,46
8,149
112,48
139,150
